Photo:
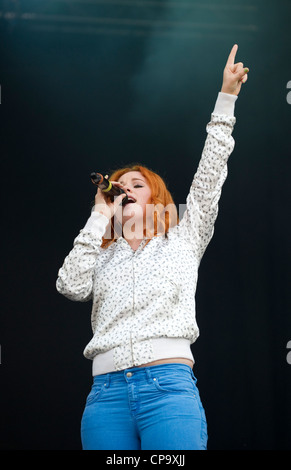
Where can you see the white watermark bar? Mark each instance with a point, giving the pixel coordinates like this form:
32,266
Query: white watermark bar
288,358
288,97
154,220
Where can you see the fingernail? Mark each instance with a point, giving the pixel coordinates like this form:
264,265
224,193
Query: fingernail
247,70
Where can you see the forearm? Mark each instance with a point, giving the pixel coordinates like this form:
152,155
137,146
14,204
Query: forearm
75,277
202,201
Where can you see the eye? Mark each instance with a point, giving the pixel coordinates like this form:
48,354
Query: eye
138,186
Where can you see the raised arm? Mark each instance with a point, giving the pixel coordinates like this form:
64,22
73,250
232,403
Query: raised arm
75,277
198,221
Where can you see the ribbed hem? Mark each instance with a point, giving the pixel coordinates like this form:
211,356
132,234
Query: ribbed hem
163,348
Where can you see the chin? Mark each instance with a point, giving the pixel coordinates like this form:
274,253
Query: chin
132,210
132,215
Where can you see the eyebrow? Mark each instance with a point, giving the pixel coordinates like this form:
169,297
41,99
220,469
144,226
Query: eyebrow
139,179
135,179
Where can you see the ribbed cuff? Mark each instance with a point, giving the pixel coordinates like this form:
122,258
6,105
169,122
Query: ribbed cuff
225,104
97,223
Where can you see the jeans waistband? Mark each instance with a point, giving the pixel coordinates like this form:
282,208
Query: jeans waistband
142,373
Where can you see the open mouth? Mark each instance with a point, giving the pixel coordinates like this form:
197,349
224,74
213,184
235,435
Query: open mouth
130,200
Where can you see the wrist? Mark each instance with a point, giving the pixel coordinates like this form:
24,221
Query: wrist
228,91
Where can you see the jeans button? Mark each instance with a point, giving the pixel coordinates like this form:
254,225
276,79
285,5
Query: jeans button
129,374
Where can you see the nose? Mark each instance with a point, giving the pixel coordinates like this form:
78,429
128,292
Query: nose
126,188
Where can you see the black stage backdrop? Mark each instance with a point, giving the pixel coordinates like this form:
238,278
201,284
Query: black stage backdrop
91,86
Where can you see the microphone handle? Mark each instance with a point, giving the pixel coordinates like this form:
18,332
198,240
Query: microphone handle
107,187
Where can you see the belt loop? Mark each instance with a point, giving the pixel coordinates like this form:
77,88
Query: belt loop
148,373
193,376
107,379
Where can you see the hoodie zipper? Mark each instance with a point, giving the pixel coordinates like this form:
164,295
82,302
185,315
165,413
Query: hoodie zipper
133,306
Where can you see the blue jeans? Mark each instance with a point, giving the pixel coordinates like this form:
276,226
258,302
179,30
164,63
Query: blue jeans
142,408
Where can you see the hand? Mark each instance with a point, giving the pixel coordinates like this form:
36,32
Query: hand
234,75
104,205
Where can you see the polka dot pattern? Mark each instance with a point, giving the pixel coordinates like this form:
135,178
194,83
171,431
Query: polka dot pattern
149,293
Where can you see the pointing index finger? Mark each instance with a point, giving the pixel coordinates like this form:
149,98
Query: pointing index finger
231,57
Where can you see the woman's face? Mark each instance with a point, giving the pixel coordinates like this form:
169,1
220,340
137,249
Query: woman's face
138,192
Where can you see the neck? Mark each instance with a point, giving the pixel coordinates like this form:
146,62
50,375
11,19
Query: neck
133,235
134,244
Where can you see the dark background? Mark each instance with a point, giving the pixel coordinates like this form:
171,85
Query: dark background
91,86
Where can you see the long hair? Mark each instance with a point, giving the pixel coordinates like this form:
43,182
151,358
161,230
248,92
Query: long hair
164,212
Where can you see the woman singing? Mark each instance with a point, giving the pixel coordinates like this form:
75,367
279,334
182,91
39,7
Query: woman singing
138,264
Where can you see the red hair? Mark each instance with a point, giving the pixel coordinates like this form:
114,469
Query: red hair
165,212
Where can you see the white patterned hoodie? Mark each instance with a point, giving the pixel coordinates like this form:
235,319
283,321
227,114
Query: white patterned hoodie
143,301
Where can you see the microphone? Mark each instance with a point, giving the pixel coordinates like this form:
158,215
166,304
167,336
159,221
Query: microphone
107,187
